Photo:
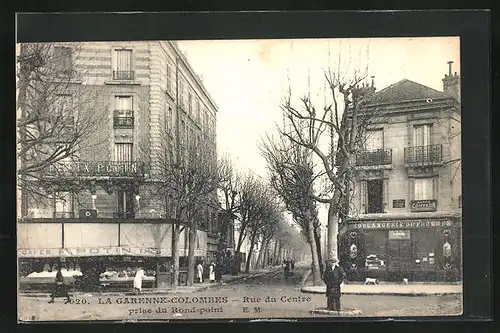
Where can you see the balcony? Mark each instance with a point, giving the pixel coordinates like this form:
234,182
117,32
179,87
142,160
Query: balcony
424,155
378,157
96,169
123,75
423,205
123,122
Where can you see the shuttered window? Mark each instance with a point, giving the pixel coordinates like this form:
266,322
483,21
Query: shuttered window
422,135
424,189
123,152
122,65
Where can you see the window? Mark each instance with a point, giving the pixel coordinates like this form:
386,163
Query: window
422,135
424,189
63,205
182,97
123,152
375,196
62,60
124,114
374,139
198,111
168,119
170,79
122,65
190,103
125,205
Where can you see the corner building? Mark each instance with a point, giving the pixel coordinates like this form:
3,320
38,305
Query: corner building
105,209
405,221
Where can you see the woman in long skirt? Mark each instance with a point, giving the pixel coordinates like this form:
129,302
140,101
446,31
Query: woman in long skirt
138,280
211,272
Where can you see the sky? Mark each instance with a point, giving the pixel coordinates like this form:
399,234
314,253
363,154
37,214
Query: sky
249,78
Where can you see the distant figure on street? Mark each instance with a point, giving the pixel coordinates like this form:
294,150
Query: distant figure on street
199,272
59,287
333,277
292,263
286,267
139,274
211,272
218,272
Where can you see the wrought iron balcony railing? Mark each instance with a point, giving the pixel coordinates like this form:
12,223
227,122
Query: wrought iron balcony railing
123,215
123,75
374,157
96,169
123,122
63,215
432,154
423,205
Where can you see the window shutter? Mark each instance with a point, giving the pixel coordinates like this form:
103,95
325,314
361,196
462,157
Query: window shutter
385,194
364,196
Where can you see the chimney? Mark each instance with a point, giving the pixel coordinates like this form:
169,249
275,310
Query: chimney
451,83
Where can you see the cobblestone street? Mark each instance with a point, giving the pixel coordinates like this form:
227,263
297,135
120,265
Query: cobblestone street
269,296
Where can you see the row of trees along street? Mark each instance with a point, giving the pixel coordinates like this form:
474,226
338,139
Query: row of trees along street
312,159
188,179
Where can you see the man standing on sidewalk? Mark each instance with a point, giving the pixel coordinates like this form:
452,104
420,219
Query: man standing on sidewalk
333,276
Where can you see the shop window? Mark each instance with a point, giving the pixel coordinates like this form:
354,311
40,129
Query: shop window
375,196
425,244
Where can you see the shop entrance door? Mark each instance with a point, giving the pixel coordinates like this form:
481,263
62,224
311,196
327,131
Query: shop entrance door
400,256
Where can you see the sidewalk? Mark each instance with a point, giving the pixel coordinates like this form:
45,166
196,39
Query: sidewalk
197,287
391,289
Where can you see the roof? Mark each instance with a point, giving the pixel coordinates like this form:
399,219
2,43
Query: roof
405,90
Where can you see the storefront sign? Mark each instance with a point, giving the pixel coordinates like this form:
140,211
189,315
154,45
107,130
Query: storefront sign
108,168
401,224
423,206
399,234
400,203
102,251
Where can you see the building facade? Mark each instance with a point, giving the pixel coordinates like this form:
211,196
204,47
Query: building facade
104,203
405,221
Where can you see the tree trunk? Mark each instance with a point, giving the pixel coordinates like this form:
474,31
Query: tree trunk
314,255
260,255
333,230
175,255
317,239
247,265
191,257
275,253
241,238
266,255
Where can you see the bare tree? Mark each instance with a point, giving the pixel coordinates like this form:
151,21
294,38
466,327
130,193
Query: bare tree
188,185
56,114
342,124
292,174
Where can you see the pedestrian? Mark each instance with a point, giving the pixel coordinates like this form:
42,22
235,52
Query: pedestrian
211,272
292,263
199,272
139,274
218,272
59,287
287,268
333,277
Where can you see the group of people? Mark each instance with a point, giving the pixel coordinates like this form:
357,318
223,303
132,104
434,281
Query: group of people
214,272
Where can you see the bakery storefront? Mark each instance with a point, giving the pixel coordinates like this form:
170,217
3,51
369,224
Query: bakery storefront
418,249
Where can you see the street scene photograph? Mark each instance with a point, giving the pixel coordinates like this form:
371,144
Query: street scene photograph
225,179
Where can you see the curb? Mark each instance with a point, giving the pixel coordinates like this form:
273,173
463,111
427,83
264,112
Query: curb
343,313
157,291
307,291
